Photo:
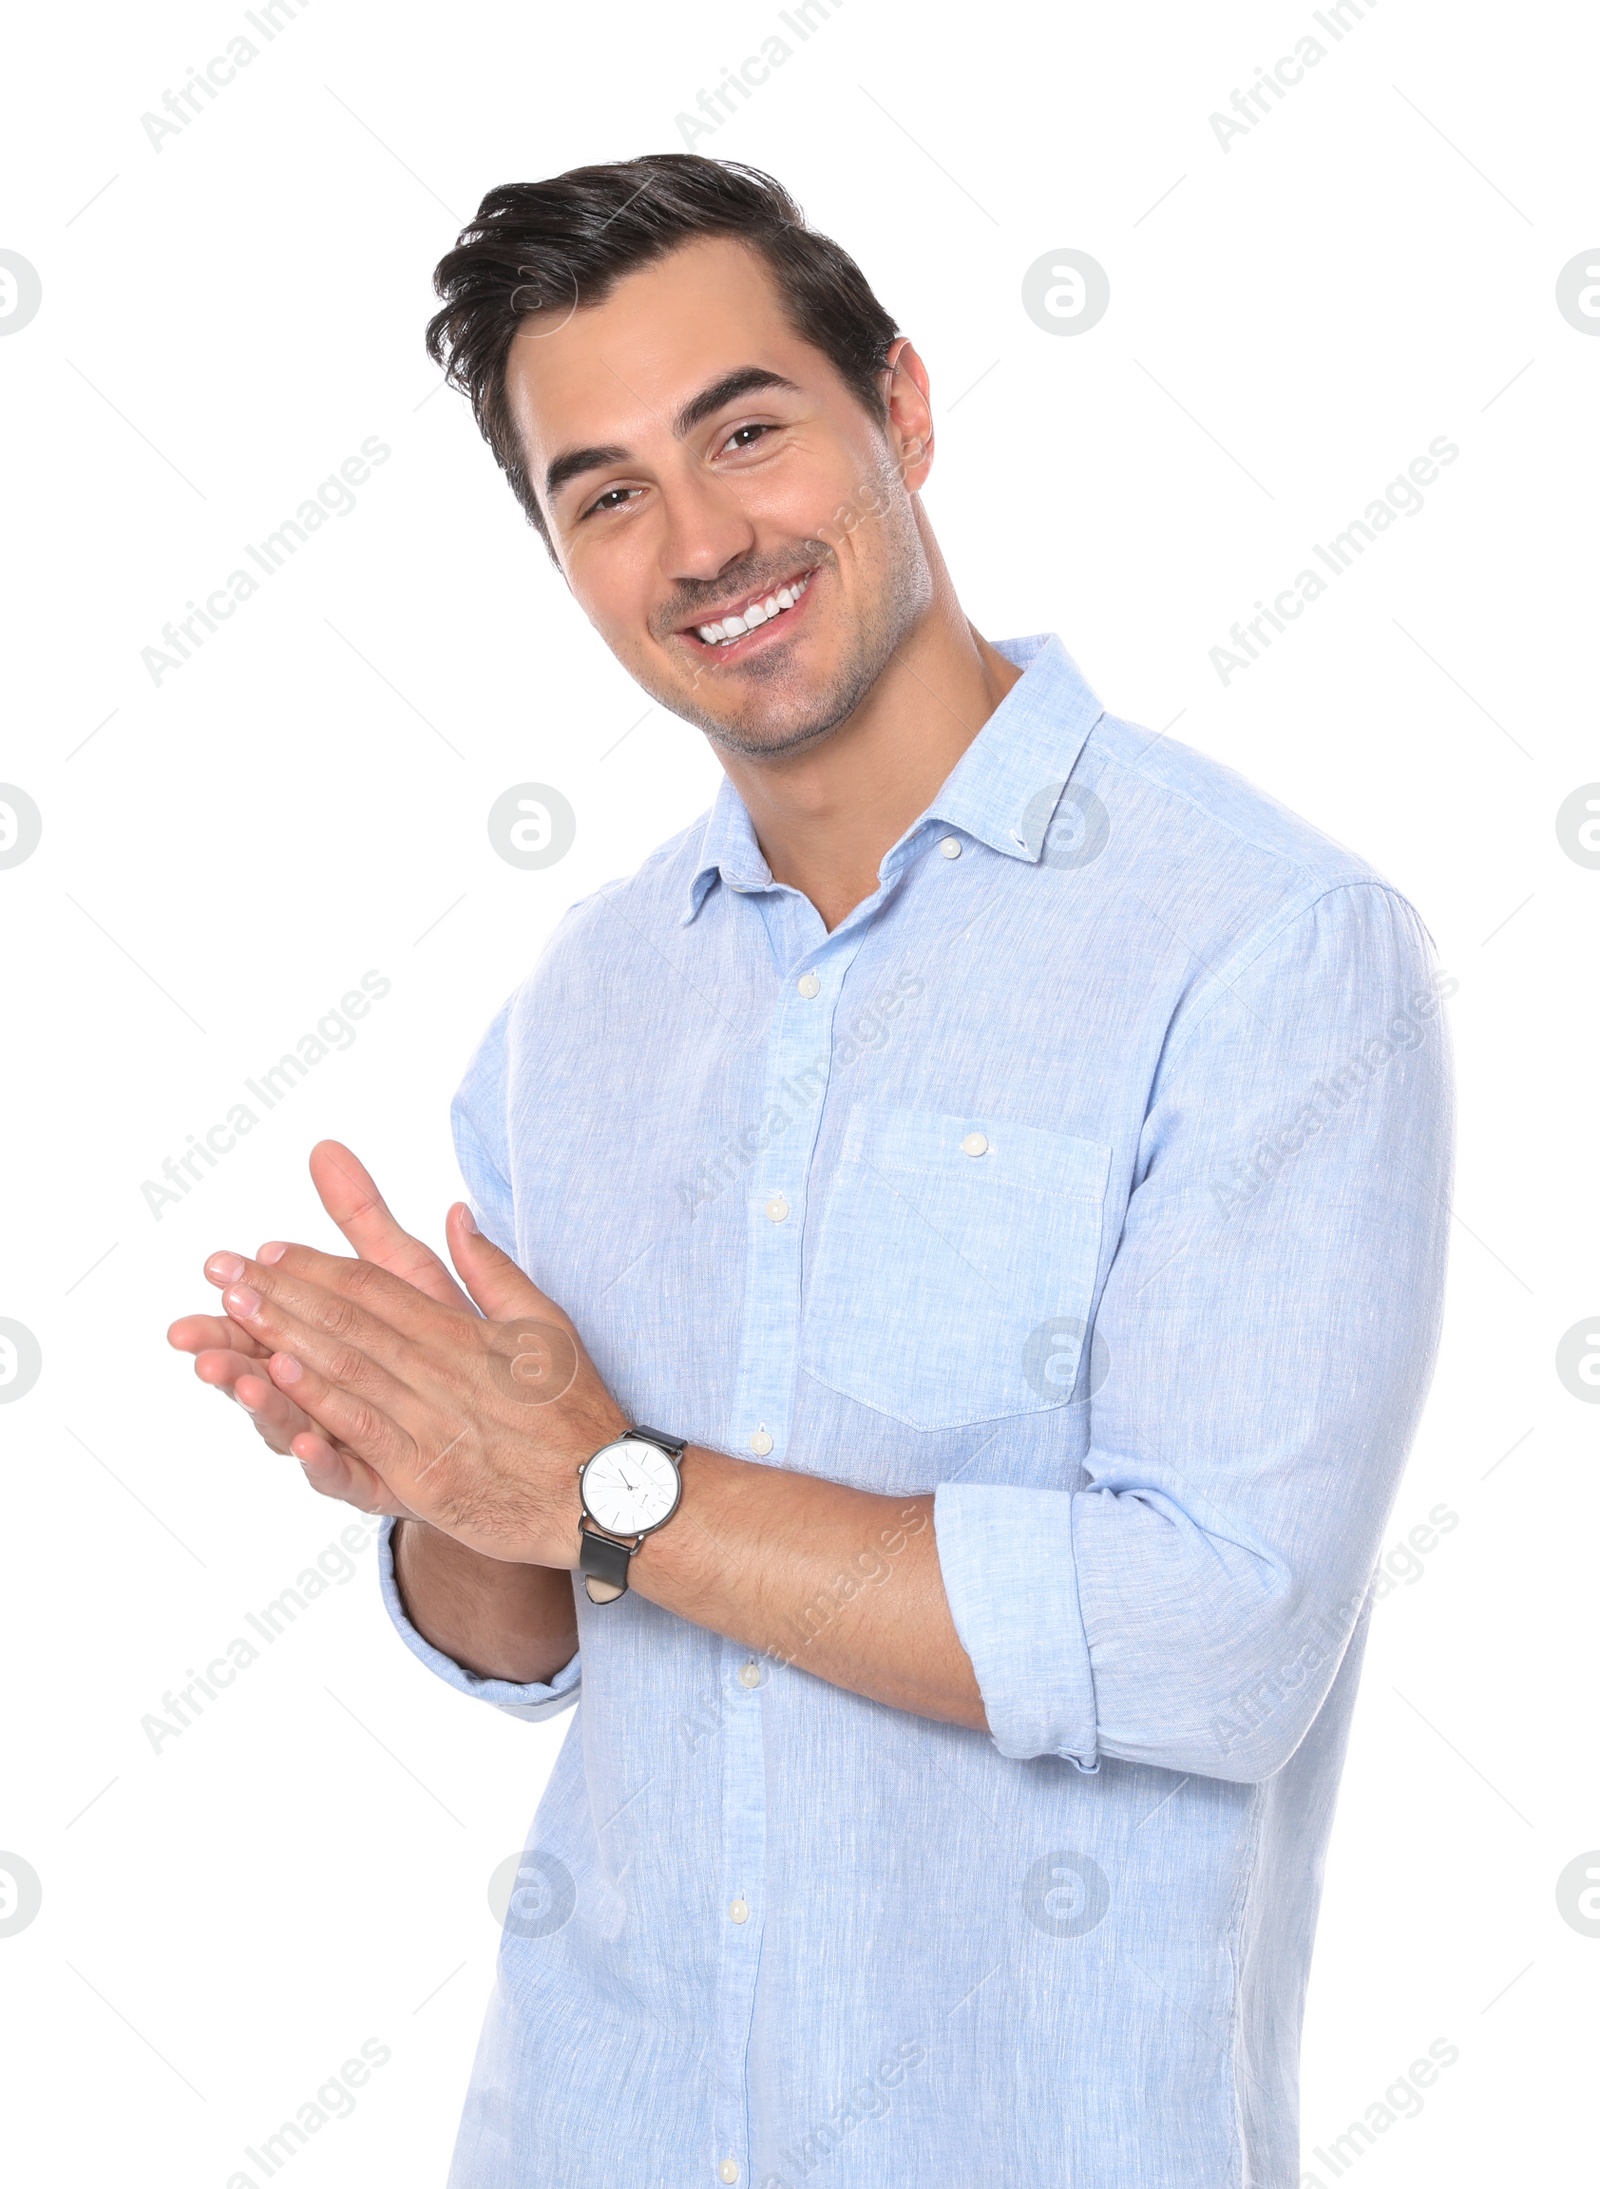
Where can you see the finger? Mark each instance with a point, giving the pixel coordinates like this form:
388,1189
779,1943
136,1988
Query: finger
269,1409
222,1366
275,1416
243,1378
494,1280
345,1298
344,1417
211,1333
351,1197
306,1443
351,1351
341,1475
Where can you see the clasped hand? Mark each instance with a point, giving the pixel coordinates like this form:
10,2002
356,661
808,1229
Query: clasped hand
398,1391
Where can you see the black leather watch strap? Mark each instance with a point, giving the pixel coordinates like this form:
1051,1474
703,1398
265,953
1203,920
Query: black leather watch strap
674,1447
603,1562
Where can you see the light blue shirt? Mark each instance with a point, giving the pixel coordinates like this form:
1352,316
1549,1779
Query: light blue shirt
1117,1046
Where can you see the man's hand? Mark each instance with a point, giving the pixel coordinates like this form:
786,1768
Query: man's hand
501,1621
476,1423
232,1362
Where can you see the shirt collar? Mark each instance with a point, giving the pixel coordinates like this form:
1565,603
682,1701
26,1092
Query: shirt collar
728,848
1004,788
1002,791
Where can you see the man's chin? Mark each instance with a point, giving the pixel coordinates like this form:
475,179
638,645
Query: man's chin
764,720
763,737
770,712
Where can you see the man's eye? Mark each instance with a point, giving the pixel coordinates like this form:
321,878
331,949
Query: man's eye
613,498
736,439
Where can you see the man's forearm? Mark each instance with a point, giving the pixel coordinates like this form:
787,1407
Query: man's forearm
842,1583
498,1620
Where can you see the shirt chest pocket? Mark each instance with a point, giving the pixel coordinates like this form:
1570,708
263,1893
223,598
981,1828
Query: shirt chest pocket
953,1266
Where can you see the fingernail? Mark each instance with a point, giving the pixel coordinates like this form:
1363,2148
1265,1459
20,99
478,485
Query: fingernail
285,1368
240,1301
468,1221
273,1251
225,1268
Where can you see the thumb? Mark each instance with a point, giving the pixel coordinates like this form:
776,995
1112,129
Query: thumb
496,1284
350,1195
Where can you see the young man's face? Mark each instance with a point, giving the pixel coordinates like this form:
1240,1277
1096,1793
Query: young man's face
694,456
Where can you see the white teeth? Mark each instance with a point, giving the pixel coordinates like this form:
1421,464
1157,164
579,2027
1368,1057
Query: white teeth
759,612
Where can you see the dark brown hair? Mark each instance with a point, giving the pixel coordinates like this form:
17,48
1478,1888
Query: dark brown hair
535,247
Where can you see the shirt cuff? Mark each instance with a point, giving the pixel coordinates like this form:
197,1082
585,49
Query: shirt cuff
1012,1583
517,1698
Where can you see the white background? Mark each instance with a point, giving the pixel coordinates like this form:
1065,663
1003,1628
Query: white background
227,318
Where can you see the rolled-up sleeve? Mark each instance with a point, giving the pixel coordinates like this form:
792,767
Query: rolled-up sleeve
518,1698
1263,1344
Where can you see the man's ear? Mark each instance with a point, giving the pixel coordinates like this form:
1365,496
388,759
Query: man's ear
910,426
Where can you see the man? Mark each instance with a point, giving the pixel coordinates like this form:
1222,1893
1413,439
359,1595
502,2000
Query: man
1006,1158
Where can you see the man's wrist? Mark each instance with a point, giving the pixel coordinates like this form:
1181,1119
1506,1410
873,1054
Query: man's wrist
416,1543
496,1618
682,1546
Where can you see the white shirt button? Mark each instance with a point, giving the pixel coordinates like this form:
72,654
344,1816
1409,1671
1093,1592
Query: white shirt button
761,1443
809,985
739,1910
950,846
750,1675
728,2170
777,1208
975,1144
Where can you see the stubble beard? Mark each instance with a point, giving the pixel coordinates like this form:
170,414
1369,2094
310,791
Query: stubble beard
775,718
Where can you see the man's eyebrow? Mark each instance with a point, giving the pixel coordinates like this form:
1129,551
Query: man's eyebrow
743,380
572,462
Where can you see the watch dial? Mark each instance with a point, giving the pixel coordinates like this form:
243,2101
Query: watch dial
629,1486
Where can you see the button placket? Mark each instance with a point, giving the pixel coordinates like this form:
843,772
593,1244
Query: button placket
799,1067
800,1041
741,1900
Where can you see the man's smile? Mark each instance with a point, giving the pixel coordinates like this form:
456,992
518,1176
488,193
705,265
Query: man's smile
729,629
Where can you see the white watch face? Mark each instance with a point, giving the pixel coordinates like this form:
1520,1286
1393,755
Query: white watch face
629,1486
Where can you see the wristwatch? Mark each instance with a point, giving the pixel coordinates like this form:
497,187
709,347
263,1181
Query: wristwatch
629,1488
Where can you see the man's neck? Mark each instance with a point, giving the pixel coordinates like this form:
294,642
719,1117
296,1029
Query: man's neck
825,817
